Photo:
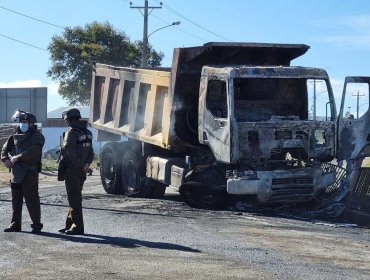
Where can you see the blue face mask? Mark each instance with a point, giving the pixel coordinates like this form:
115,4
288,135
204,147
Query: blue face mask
23,127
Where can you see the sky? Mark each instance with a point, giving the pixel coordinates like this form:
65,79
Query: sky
338,32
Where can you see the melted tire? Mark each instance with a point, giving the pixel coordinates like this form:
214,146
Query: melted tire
205,190
199,197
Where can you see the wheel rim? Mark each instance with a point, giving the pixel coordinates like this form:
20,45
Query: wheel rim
131,177
108,168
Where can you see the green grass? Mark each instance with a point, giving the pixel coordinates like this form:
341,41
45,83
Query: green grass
3,168
49,165
52,165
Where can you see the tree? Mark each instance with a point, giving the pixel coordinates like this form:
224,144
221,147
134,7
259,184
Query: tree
73,54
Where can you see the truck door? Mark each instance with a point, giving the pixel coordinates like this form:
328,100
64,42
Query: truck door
353,133
214,122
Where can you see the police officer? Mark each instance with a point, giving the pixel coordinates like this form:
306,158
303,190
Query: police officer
77,155
22,154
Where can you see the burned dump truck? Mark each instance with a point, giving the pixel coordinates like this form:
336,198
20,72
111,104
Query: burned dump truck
230,118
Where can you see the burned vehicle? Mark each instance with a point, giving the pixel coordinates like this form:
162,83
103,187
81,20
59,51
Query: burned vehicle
232,118
353,129
52,153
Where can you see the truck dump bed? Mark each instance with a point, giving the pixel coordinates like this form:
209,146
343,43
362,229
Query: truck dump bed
131,102
159,106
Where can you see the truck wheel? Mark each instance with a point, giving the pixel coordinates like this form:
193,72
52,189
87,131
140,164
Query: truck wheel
130,174
205,190
110,169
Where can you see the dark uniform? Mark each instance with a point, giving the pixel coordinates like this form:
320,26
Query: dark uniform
22,152
77,155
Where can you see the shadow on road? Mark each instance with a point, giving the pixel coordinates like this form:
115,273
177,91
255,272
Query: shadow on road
171,205
118,241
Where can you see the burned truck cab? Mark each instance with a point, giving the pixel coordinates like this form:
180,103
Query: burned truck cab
272,126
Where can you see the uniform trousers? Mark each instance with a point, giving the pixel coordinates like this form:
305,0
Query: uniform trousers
29,190
74,181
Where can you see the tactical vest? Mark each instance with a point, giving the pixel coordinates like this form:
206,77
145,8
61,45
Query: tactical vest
21,143
83,144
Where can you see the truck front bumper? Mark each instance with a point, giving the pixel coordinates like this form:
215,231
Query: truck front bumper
296,185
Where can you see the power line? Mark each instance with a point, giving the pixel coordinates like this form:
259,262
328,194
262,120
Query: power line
35,19
191,34
146,13
39,20
189,20
24,43
132,5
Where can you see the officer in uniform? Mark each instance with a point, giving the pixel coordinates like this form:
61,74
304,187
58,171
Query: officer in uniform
76,156
22,154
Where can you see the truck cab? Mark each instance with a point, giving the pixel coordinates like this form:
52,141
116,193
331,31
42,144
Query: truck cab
264,122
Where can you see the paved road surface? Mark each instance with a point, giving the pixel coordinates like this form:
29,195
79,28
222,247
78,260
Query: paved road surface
130,238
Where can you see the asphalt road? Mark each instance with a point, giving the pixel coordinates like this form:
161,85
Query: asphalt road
132,238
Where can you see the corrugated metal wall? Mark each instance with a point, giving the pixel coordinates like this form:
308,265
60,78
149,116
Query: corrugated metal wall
32,100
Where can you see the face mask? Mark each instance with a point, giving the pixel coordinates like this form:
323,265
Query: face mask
23,127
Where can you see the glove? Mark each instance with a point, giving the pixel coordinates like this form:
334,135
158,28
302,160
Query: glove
14,159
87,168
8,163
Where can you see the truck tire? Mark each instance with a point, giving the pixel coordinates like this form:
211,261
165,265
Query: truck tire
110,168
206,189
134,182
131,174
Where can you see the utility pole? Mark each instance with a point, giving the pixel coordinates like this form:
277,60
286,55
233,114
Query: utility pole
314,99
144,62
358,101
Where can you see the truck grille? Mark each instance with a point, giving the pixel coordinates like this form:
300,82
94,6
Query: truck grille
283,134
289,181
298,185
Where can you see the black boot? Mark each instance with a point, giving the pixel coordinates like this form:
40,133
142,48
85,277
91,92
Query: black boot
74,231
62,230
12,229
36,228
